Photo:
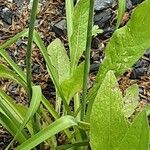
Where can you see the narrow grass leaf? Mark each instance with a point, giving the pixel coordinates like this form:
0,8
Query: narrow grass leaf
14,39
34,105
9,74
11,127
107,122
14,111
57,126
15,67
22,75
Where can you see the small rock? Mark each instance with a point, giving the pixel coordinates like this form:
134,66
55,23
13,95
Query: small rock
134,2
102,4
128,4
101,18
6,15
108,32
147,54
94,67
60,27
36,68
138,72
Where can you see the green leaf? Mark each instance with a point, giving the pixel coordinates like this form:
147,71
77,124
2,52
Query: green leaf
131,100
40,44
19,71
74,84
107,122
9,74
59,59
59,125
79,36
96,30
15,112
14,39
127,44
137,137
121,11
11,127
34,105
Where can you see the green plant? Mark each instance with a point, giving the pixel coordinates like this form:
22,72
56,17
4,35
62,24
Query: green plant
103,121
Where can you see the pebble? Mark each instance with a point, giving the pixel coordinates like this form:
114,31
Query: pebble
6,15
101,18
102,4
60,27
128,4
139,69
134,2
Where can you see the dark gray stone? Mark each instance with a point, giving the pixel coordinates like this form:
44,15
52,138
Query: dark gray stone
6,14
60,27
128,4
102,17
102,4
134,2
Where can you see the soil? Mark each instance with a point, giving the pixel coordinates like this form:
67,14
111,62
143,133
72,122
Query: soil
51,24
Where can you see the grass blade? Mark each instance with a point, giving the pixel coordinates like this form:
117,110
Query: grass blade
34,105
59,125
9,74
11,127
14,111
14,39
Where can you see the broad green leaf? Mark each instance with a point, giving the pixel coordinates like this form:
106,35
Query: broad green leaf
125,47
121,11
74,84
11,127
131,100
37,39
128,43
61,65
59,59
79,36
137,137
107,122
9,74
54,128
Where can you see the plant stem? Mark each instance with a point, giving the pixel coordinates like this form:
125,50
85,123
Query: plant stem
87,59
29,47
